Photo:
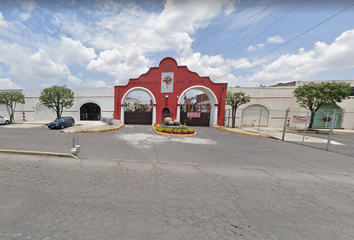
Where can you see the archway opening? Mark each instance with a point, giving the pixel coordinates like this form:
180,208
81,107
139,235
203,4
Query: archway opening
165,113
138,108
90,112
197,101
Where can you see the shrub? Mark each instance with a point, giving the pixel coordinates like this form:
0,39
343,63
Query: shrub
173,130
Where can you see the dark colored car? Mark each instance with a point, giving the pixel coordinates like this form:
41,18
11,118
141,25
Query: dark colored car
62,122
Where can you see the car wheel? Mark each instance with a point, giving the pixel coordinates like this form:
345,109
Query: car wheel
62,126
7,122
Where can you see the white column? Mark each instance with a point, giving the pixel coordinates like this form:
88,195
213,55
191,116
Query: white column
215,116
153,114
178,112
122,114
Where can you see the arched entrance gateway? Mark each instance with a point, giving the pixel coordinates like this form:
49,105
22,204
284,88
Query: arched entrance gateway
90,111
167,86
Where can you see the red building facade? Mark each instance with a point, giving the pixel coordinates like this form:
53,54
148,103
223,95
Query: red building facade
167,86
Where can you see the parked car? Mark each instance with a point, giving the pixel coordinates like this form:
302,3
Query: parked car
4,120
62,122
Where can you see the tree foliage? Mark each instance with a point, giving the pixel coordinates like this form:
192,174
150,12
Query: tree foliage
57,98
312,96
235,100
10,99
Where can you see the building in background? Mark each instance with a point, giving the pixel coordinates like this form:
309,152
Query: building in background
90,104
268,106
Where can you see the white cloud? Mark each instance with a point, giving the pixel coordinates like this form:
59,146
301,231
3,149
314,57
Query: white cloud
251,48
96,84
73,51
3,23
121,65
74,80
323,57
6,83
123,35
35,68
275,39
28,6
258,46
183,44
151,32
24,16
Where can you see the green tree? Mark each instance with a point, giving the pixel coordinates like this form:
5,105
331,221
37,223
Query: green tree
127,106
312,96
235,100
10,99
57,98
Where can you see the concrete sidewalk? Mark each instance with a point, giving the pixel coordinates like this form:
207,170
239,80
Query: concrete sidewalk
277,133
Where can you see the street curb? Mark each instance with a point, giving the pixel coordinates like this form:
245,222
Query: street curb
38,153
100,130
317,131
174,135
244,133
30,123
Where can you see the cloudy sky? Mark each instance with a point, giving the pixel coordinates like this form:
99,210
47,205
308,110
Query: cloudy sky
102,43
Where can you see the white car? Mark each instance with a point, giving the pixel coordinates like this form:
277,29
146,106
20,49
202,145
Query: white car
4,120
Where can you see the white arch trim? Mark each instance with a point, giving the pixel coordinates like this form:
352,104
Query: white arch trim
208,92
213,99
36,110
88,101
138,89
255,104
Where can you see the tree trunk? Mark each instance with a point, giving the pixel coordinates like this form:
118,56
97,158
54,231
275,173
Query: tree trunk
311,119
233,117
10,112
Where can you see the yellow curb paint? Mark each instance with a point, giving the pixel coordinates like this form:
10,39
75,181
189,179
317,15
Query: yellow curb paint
102,130
37,153
174,135
244,133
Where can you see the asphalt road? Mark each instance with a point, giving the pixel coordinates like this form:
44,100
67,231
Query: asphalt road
210,146
135,184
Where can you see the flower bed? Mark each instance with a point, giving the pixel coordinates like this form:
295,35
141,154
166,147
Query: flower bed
178,130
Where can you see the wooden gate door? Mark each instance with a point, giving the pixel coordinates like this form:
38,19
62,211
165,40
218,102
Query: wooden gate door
165,113
138,118
202,121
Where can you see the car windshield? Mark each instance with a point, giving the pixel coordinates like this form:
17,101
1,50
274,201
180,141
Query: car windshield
59,120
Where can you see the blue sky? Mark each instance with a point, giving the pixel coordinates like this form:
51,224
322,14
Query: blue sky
105,42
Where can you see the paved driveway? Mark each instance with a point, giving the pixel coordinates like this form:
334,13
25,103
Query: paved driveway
218,185
210,146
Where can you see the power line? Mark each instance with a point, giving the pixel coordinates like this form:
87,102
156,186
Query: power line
270,25
249,25
229,42
220,29
288,41
256,25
